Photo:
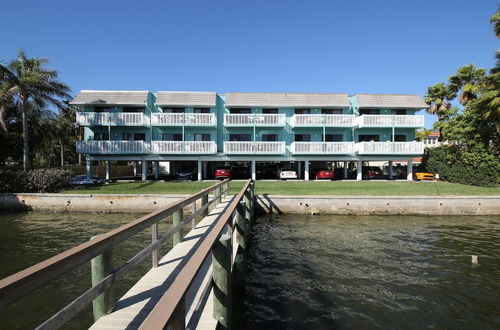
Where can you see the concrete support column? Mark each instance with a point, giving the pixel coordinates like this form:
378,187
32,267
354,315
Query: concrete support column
204,169
345,170
144,170
199,170
391,175
88,168
306,170
359,170
254,175
156,169
135,168
299,170
107,169
409,171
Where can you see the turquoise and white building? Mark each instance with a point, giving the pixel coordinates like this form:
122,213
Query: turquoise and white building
207,129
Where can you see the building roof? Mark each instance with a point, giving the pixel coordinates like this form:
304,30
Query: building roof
390,101
92,97
200,99
287,100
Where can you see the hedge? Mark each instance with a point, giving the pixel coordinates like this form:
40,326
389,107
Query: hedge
36,180
457,164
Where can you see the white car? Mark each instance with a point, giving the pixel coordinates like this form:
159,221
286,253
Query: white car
287,173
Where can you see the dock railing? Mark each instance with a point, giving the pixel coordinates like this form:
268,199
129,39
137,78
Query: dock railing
99,251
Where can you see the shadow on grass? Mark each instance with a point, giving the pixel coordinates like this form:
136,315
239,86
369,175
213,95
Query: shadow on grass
146,184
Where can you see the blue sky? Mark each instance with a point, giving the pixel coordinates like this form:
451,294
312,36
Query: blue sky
256,46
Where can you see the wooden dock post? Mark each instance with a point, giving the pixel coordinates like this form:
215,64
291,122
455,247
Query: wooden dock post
101,266
221,272
218,194
154,238
177,219
248,212
252,200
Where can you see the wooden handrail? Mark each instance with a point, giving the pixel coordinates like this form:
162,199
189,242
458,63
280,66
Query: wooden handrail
26,281
163,312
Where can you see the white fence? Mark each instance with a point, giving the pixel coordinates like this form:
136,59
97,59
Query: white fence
323,120
183,147
262,148
113,119
254,119
391,148
414,121
186,119
315,148
111,147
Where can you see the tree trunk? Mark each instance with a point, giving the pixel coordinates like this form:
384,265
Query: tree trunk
24,117
62,153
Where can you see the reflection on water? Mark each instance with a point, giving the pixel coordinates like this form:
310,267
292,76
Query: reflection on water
393,272
28,238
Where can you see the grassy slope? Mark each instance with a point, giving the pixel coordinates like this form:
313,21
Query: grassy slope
299,188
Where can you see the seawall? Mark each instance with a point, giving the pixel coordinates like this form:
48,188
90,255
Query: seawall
352,205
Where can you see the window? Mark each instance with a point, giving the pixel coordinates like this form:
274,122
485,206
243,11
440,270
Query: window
368,138
240,110
334,138
201,110
369,111
134,136
302,137
399,112
102,109
202,137
171,137
270,137
399,138
240,137
101,136
130,109
302,111
269,110
173,110
331,111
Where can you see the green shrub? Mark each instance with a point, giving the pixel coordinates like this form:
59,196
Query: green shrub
36,180
455,163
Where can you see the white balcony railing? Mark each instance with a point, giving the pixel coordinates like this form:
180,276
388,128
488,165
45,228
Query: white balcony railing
186,119
389,148
323,120
412,121
111,147
327,148
254,119
113,119
184,147
262,148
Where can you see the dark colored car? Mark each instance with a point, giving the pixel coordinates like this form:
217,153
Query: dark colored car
185,174
325,174
83,180
372,172
223,173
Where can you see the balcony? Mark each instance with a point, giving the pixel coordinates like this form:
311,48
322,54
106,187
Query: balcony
250,148
389,148
410,121
327,148
254,119
186,119
113,119
111,147
184,147
323,120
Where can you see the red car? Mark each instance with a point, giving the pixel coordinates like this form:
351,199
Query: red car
324,174
223,173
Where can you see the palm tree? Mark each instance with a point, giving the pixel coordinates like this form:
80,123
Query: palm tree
24,81
423,134
469,80
495,21
438,102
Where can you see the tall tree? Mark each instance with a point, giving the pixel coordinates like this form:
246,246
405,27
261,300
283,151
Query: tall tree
438,102
24,81
468,81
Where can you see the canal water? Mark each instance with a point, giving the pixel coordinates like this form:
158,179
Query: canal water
373,272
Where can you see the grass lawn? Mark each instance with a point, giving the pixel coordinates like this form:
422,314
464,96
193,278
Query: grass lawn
394,188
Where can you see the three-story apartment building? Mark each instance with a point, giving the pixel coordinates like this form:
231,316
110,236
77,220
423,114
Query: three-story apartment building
207,129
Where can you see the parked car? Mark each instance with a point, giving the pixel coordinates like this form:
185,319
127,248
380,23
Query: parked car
83,180
185,174
423,176
223,173
372,172
287,173
325,174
